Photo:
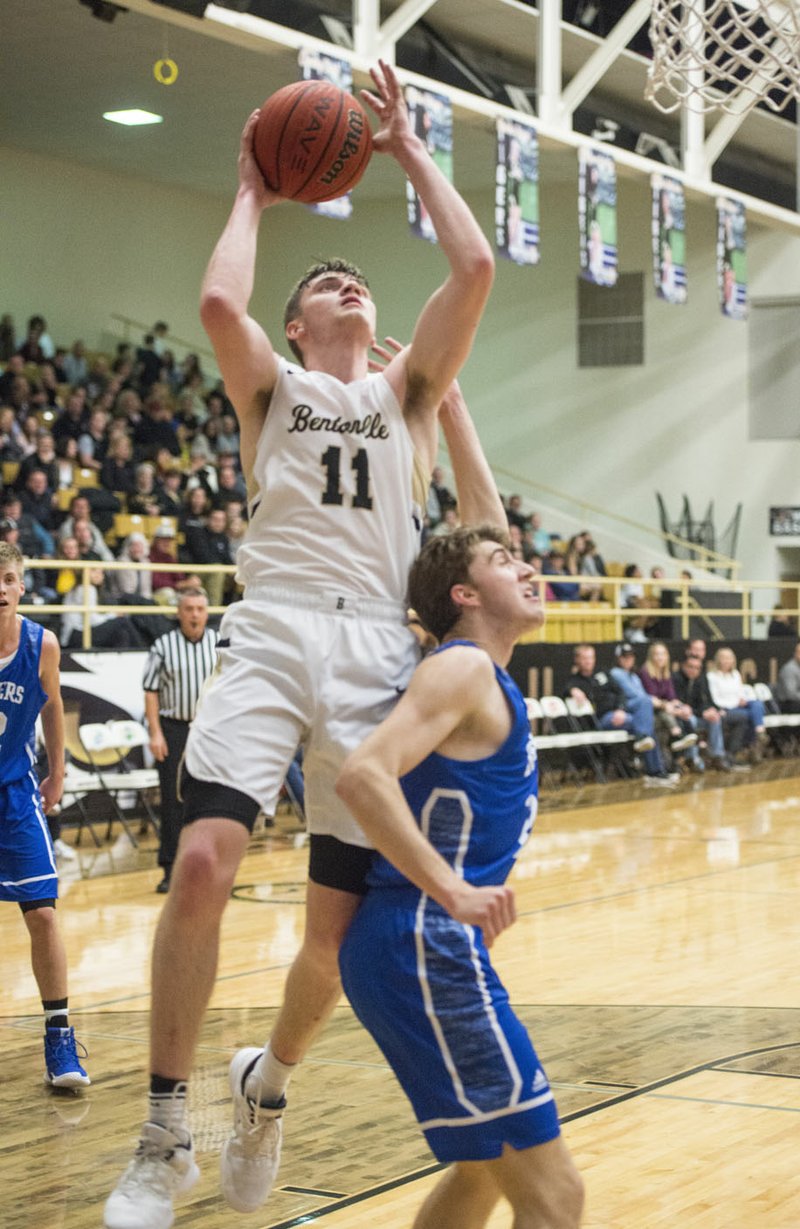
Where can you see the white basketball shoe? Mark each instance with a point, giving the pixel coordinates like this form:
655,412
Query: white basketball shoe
251,1156
163,1167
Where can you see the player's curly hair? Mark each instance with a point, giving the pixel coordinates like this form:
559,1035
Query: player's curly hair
334,265
442,563
11,554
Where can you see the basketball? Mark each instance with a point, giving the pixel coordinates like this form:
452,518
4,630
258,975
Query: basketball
312,141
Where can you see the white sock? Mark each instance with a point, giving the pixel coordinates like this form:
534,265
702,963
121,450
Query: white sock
269,1078
168,1109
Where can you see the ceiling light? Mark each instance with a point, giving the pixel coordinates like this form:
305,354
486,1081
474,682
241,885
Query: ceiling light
133,118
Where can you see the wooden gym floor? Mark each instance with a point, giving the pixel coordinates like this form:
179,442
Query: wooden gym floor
654,962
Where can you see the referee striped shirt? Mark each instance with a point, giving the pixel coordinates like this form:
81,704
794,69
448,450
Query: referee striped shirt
177,668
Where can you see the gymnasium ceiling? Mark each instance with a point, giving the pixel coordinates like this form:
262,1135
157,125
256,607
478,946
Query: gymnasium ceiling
61,68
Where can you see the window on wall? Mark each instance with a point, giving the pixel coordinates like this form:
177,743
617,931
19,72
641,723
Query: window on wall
773,369
611,322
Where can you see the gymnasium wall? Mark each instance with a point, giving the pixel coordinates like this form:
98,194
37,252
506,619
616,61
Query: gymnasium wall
81,244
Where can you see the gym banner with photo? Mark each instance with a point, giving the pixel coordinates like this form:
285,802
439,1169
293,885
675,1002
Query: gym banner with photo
317,66
732,257
432,120
597,213
516,209
669,239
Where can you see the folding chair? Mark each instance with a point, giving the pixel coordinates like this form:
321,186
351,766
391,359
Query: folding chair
107,745
583,714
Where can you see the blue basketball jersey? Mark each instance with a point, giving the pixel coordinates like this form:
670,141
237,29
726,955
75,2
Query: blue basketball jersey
21,700
477,813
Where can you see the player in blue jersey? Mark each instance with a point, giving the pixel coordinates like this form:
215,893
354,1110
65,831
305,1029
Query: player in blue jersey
29,684
445,789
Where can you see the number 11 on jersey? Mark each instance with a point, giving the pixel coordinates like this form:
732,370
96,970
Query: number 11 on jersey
331,461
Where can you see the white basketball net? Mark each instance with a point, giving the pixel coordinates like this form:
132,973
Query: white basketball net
719,54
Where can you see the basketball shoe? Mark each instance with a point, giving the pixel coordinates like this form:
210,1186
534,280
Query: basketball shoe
251,1156
62,1067
163,1166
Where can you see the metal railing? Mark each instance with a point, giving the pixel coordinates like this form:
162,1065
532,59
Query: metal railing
607,614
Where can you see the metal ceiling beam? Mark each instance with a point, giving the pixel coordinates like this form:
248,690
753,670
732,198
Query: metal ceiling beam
601,60
548,64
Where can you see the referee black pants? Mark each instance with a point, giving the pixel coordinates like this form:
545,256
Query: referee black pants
175,735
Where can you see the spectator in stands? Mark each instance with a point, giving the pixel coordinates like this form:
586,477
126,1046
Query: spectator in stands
36,580
48,385
170,493
539,539
691,687
93,444
80,510
147,369
108,630
515,514
440,498
632,593
447,524
517,542
8,338
608,700
34,541
228,441
117,473
38,502
554,566
235,527
67,577
230,485
673,716
160,331
67,458
782,623
72,423
131,582
192,522
697,648
787,688
202,471
12,441
638,706
83,533
213,547
76,368
727,691
128,408
591,561
164,550
43,458
38,345
155,428
143,501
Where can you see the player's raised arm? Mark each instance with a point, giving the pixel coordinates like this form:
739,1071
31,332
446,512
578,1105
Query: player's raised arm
444,692
243,350
479,501
446,327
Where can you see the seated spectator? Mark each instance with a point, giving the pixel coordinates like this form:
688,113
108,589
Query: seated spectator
38,581
42,458
131,582
611,711
697,648
638,706
12,441
108,630
170,493
447,524
80,510
192,521
147,370
591,561
727,692
128,408
93,444
143,500
554,566
782,623
539,539
632,593
230,485
155,428
691,687
8,338
72,422
202,470
38,345
228,440
83,532
235,527
117,473
67,577
67,459
74,363
673,716
38,502
787,688
212,546
440,498
165,582
515,514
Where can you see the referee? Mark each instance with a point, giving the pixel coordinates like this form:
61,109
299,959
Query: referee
177,666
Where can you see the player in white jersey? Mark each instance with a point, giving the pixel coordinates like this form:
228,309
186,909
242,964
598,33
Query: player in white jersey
317,651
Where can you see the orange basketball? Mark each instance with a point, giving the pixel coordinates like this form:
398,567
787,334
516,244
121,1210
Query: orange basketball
312,141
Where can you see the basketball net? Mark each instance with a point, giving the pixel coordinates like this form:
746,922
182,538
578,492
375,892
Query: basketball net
724,55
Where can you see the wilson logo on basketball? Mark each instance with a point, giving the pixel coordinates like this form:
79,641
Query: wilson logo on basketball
351,146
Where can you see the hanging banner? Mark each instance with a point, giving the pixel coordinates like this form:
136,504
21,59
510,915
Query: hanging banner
732,257
597,212
516,210
432,120
317,66
669,238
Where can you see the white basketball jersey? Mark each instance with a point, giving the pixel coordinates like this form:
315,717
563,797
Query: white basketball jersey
335,507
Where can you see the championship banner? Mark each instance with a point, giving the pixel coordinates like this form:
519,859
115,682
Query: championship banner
317,66
732,257
516,209
669,239
597,213
431,118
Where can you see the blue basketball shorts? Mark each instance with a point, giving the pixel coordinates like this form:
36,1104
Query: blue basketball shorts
423,986
27,862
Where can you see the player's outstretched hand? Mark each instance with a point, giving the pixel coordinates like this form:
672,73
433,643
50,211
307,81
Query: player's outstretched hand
390,107
492,908
386,352
249,172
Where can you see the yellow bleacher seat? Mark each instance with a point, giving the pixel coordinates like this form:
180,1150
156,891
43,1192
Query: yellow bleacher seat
65,496
86,478
129,522
10,471
155,522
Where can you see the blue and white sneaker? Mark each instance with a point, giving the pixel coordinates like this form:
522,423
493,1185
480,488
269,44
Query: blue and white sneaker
62,1068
